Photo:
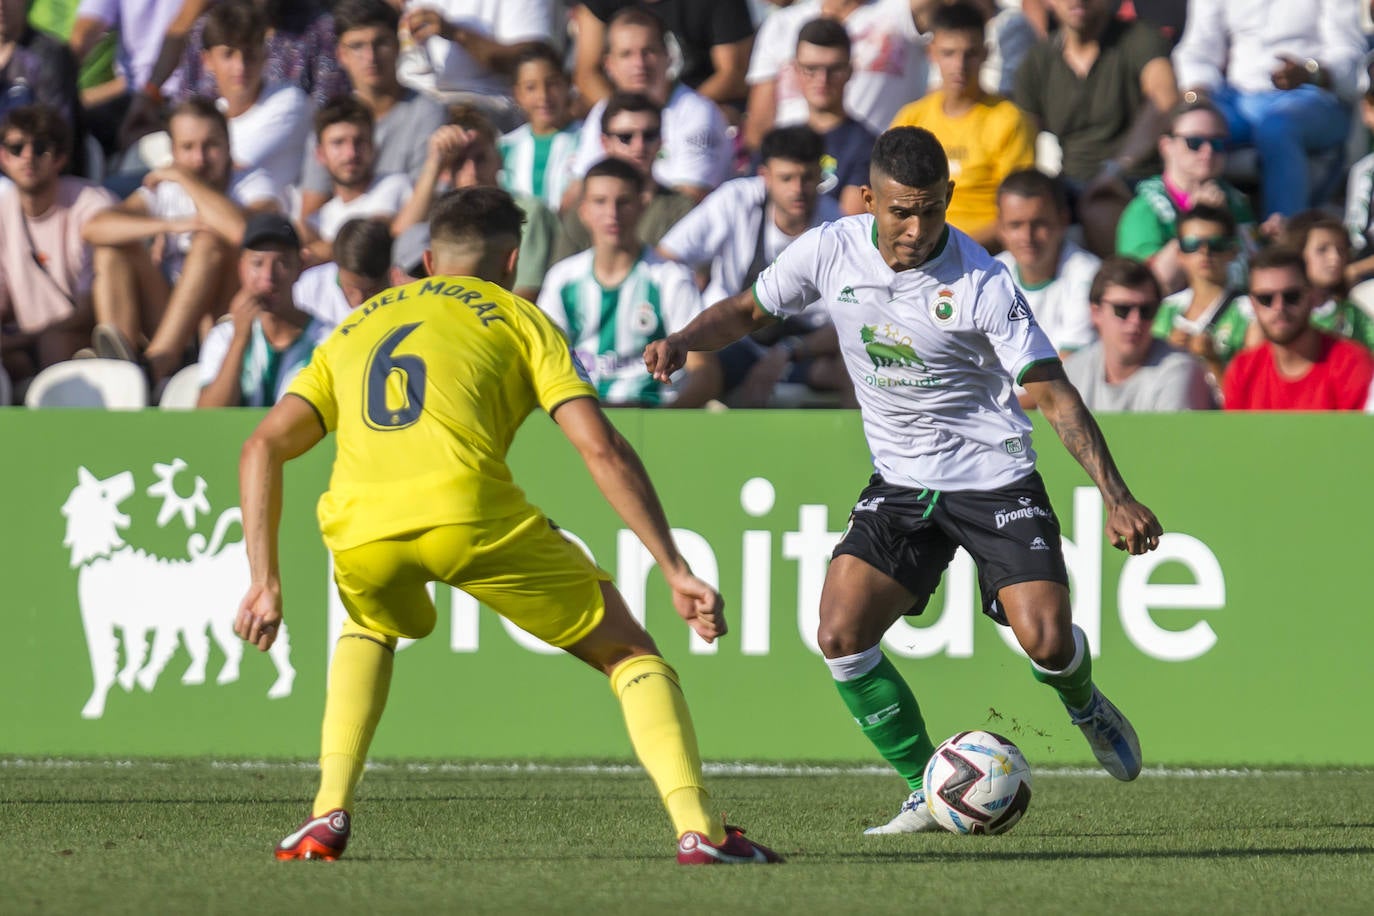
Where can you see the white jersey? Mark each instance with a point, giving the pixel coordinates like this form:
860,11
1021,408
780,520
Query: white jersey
609,328
386,196
541,167
933,351
1061,306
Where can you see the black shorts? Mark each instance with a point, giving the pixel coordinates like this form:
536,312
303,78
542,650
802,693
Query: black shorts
911,535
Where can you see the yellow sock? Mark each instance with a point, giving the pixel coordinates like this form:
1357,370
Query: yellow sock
660,728
359,680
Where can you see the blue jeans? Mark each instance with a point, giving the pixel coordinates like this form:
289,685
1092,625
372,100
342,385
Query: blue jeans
1284,126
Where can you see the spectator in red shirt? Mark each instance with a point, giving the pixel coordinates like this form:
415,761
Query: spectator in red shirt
1298,367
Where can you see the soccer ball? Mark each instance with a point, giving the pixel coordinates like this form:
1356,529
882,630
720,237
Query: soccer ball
977,782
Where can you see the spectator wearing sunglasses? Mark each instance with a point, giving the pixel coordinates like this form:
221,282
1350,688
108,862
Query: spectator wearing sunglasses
1299,366
1128,369
1325,247
1211,317
1194,155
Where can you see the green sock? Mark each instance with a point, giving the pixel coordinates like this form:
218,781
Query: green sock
1075,683
887,712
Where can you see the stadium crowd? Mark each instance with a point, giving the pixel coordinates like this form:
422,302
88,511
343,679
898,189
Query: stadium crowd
1183,192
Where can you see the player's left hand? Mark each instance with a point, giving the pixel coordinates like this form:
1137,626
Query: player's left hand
259,617
700,605
1133,528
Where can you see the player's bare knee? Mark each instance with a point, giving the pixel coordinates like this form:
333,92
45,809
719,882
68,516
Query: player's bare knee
839,641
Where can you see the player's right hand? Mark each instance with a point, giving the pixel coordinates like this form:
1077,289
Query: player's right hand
259,617
664,357
700,605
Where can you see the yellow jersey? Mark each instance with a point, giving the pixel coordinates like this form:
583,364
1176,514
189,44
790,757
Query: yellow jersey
984,146
425,385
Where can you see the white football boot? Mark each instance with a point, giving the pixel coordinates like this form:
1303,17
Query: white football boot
914,817
1110,735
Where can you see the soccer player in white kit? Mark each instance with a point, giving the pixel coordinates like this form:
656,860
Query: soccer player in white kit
935,334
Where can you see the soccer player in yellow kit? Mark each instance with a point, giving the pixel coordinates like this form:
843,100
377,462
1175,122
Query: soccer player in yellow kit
425,386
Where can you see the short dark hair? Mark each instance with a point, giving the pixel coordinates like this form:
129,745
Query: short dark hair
473,215
361,14
363,246
824,32
541,51
237,24
198,106
629,101
910,156
1199,103
41,123
1301,225
797,143
637,16
342,109
1279,257
612,167
1208,213
1119,270
1035,183
958,17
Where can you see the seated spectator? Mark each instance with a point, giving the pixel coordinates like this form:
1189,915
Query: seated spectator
823,71
618,296
890,64
408,255
37,70
301,49
737,232
696,154
1210,317
464,155
1322,241
539,154
1299,366
194,210
402,118
1052,271
1359,204
1127,369
1104,89
630,131
1278,72
268,123
45,267
343,147
1010,35
713,37
1194,156
985,136
360,270
250,358
461,51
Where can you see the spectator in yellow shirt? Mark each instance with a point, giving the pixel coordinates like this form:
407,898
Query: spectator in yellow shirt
986,136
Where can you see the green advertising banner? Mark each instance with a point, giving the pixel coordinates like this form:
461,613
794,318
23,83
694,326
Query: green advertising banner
122,565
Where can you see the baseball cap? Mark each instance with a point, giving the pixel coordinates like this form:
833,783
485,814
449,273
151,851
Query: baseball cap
408,251
266,229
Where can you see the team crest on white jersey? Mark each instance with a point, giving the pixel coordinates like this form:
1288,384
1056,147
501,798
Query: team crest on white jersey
943,309
139,594
645,319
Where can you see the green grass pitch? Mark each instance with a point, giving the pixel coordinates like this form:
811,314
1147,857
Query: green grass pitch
195,836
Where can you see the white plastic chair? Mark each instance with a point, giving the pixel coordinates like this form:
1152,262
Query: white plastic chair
109,383
182,390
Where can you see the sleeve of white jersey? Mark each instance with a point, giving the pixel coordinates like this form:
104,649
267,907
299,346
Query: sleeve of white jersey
1001,312
789,285
700,236
214,351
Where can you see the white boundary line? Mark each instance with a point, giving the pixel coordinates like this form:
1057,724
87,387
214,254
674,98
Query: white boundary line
627,769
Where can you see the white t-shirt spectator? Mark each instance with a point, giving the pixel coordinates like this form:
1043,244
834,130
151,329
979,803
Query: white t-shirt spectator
449,67
888,57
169,200
723,231
317,293
266,373
696,148
383,199
1061,306
141,25
272,134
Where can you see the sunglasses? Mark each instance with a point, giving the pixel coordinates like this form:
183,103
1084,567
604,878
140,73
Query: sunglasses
40,148
1217,244
650,135
1123,312
1218,144
1290,297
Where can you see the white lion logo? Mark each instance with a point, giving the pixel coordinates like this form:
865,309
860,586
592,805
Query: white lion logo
120,587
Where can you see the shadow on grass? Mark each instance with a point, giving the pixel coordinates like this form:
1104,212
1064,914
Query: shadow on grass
1091,855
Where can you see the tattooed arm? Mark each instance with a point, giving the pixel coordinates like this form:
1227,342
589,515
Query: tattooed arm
1130,525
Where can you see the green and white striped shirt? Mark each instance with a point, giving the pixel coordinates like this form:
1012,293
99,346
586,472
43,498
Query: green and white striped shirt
609,328
539,166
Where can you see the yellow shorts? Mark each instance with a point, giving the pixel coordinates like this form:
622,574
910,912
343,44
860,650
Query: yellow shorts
519,566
